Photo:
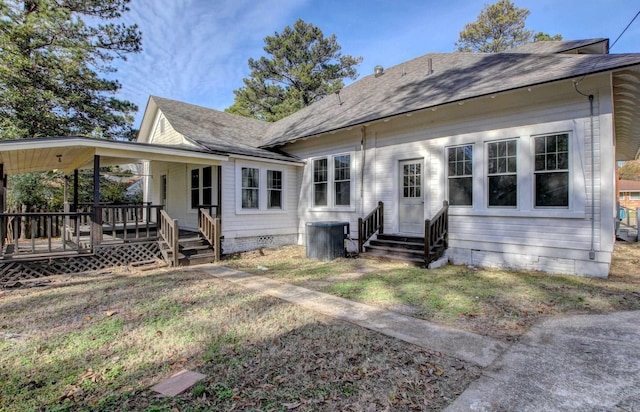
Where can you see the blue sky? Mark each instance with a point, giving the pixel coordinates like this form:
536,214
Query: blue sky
196,51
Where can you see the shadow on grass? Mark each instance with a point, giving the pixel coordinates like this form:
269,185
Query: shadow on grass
499,303
101,345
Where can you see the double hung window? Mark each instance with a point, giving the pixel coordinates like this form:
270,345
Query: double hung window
552,170
502,161
460,176
332,181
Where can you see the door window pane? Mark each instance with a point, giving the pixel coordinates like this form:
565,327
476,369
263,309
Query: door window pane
195,188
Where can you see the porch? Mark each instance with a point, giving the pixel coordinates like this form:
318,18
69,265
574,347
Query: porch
38,244
94,236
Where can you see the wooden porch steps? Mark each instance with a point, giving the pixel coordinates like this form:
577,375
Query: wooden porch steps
399,247
193,250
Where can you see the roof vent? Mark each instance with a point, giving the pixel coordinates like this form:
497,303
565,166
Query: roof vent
378,71
429,66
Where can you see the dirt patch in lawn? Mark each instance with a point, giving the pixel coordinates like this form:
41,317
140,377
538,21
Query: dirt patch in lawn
99,343
499,303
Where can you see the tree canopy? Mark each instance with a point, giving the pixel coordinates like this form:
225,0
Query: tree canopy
52,55
303,66
629,170
499,27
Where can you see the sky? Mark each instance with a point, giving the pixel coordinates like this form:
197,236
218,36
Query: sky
196,51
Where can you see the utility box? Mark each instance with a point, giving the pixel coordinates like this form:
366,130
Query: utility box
326,240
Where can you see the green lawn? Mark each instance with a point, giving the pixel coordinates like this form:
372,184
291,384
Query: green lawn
499,303
99,343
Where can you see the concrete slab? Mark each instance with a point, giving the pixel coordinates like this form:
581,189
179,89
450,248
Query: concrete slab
585,363
466,346
178,383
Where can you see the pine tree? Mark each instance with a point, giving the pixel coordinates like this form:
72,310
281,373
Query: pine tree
303,67
52,55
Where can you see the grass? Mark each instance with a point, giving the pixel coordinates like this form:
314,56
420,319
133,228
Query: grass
499,303
99,343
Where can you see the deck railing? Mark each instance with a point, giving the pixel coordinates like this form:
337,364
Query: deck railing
132,221
209,228
436,234
36,234
40,233
169,232
372,223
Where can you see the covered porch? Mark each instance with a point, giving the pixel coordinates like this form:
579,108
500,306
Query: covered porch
140,232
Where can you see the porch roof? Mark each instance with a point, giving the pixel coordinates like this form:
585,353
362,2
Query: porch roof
66,154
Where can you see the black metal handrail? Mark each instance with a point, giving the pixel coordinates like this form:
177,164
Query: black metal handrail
372,223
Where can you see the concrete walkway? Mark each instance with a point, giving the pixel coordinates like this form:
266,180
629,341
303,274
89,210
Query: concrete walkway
575,363
578,363
467,346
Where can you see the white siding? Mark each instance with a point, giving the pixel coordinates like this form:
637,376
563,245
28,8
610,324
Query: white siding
555,240
163,133
245,230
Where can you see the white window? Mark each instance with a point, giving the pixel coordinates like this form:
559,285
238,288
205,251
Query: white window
261,188
551,173
634,195
201,186
460,175
250,188
332,183
502,176
274,189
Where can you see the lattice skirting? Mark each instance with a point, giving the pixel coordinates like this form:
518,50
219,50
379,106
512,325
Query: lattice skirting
105,257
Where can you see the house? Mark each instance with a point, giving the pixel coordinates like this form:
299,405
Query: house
511,156
506,138
629,193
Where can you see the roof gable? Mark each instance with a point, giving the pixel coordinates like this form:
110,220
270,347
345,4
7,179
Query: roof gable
217,131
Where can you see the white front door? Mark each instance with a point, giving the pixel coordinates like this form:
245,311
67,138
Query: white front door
411,197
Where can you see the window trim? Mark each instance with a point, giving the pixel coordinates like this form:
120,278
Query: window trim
526,155
331,182
487,175
570,171
472,176
200,168
263,169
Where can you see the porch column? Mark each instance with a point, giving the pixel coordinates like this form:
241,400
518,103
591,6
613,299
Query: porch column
3,186
219,208
76,195
97,212
65,197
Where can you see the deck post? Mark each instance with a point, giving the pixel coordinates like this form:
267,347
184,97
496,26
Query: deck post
96,235
3,197
75,190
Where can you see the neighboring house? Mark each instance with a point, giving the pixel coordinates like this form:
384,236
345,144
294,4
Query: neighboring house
523,146
629,191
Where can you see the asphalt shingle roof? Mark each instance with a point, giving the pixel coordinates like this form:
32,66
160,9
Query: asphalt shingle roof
218,131
560,46
456,77
403,88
